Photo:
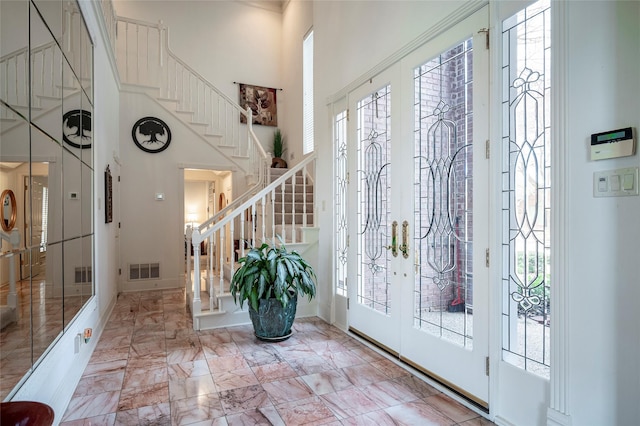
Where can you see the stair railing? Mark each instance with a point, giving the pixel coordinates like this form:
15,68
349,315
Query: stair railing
273,213
44,62
145,59
263,177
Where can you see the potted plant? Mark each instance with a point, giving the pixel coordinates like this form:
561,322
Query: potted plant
278,150
270,278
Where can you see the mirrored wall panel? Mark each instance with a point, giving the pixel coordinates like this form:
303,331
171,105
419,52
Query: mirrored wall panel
46,180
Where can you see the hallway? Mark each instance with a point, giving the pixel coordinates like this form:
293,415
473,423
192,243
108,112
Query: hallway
151,368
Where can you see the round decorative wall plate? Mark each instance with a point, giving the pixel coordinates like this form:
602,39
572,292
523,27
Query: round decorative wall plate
151,134
76,128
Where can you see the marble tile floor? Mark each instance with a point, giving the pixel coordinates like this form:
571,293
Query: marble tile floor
151,368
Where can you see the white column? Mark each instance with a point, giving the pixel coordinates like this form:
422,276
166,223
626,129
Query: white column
559,410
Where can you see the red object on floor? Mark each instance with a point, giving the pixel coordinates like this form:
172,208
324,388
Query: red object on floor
25,413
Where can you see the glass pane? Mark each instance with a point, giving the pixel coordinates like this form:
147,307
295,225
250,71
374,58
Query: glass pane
341,203
71,39
76,122
526,187
374,186
46,78
86,286
15,340
74,278
86,71
444,195
14,56
15,346
46,307
86,125
71,196
86,200
51,12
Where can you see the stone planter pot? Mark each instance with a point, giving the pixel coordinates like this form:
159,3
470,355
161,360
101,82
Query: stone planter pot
272,322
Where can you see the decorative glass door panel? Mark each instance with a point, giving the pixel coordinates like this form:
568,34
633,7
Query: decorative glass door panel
527,189
374,185
444,195
373,236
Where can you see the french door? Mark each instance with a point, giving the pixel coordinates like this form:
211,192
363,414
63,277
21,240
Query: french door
419,217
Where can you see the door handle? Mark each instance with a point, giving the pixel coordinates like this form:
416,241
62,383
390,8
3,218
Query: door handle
404,247
394,239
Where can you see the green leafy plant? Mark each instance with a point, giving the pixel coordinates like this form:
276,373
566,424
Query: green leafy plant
270,271
278,144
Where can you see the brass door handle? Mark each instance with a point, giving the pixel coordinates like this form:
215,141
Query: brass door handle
394,239
404,247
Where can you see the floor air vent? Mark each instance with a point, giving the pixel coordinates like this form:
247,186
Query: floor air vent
144,271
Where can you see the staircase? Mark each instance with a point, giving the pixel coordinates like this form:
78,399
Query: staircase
279,203
293,205
148,67
277,213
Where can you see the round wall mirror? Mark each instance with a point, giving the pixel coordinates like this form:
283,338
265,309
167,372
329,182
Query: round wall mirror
9,210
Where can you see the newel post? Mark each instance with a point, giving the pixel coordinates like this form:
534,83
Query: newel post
187,238
196,305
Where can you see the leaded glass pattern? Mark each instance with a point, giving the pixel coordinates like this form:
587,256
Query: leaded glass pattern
341,204
374,185
443,189
526,186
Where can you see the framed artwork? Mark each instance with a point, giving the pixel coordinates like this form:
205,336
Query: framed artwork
151,134
262,101
108,196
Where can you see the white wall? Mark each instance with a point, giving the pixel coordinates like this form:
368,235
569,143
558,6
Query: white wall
604,233
224,41
152,231
297,20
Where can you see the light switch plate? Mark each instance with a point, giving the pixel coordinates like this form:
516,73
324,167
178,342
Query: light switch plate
616,183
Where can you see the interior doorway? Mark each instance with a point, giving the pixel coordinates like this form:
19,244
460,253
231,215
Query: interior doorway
203,190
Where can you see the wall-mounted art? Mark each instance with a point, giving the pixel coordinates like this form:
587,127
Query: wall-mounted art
76,128
262,101
151,134
108,196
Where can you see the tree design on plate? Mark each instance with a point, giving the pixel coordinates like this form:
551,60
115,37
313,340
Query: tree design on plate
151,134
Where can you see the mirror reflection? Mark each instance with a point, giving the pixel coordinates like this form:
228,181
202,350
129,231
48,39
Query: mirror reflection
46,162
